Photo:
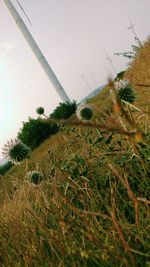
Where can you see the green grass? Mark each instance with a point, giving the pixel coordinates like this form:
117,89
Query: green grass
92,208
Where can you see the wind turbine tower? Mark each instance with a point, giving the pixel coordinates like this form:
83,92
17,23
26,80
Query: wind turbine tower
110,61
131,27
85,81
36,50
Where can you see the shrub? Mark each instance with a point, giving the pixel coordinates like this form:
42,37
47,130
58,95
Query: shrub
64,111
35,131
5,167
16,151
120,75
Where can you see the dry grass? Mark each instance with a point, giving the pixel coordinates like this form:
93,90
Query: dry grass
92,208
139,73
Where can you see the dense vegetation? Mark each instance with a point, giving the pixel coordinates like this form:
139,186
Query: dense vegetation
88,201
64,111
35,131
5,167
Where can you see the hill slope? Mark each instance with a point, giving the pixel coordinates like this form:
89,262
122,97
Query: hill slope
139,75
92,208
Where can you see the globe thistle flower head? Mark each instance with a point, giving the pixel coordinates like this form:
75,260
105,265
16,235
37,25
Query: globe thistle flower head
121,84
35,177
84,112
124,91
40,110
15,151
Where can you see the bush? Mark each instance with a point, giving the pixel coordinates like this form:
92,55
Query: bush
5,167
35,131
64,111
120,75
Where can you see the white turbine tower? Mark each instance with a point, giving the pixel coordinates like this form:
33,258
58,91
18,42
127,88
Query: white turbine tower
110,61
94,80
131,27
85,81
36,50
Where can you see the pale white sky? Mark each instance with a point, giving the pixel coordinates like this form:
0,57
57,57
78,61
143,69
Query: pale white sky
71,34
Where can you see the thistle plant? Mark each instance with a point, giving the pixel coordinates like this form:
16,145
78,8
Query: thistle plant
35,177
15,151
40,111
84,112
125,91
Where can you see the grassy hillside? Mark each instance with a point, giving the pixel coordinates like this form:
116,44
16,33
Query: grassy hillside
92,207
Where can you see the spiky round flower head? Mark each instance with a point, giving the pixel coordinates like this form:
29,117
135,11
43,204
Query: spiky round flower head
40,110
125,91
15,151
35,177
84,112
121,84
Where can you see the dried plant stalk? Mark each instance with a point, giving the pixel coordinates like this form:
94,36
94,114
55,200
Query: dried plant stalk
129,190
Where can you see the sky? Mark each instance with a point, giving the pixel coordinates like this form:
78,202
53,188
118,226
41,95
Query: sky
71,35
